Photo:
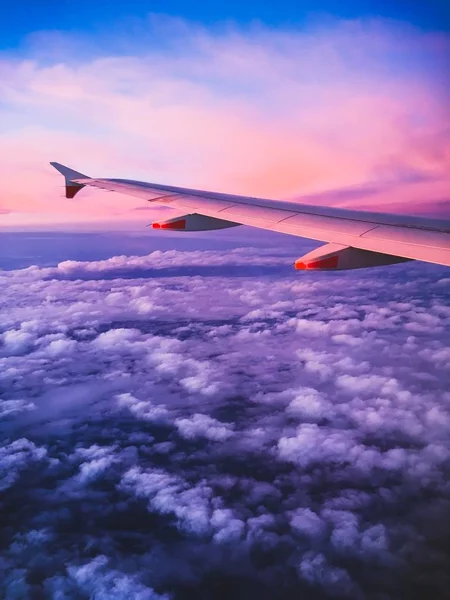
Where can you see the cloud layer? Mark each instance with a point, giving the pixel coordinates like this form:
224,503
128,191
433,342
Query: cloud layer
174,433
275,113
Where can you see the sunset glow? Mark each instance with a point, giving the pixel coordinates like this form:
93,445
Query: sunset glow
256,110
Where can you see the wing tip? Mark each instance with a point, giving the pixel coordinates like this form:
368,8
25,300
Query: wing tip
70,176
67,172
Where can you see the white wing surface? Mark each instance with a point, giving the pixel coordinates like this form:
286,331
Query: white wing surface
354,238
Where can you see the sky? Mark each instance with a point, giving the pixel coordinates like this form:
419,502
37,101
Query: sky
23,17
279,100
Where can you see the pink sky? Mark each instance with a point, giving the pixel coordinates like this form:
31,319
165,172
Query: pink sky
271,113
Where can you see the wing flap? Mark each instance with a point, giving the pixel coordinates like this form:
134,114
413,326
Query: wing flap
407,235
430,251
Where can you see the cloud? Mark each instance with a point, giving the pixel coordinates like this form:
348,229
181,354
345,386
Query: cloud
11,406
143,409
307,524
203,426
15,457
275,113
17,342
96,579
334,580
166,431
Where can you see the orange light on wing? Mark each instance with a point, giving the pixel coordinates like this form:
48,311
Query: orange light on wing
326,263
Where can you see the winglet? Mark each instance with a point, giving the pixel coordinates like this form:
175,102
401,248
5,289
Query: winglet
71,177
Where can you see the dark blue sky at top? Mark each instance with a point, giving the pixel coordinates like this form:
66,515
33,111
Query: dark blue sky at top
20,18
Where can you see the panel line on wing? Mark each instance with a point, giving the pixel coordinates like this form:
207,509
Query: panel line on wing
368,231
164,196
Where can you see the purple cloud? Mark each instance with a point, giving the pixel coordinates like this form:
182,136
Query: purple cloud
280,431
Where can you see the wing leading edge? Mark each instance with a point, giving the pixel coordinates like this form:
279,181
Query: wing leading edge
355,238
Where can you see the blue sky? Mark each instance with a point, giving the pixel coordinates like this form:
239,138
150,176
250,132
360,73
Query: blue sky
21,18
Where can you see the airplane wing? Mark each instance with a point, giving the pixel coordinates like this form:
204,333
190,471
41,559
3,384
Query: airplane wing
353,239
